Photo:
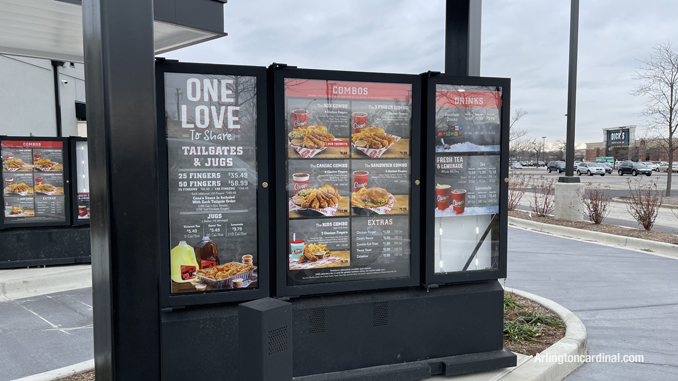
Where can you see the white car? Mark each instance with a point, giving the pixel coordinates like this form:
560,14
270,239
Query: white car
516,165
590,169
652,166
665,168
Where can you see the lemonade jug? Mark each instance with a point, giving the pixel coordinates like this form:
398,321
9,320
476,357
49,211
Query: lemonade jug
183,263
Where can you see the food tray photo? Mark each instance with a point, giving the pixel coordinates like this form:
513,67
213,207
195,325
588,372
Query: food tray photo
228,282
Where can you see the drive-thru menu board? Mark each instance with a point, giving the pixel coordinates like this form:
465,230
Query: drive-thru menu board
212,171
348,180
82,181
33,182
467,176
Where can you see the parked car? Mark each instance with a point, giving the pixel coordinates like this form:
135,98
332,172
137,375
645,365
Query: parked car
652,166
555,166
608,167
590,169
516,165
634,169
540,163
665,167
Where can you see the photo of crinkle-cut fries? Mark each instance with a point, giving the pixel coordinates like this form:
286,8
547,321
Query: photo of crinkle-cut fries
375,137
315,137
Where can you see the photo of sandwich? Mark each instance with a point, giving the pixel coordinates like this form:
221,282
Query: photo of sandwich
375,200
45,188
16,210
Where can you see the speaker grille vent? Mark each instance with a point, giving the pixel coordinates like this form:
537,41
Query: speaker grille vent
379,314
316,320
277,340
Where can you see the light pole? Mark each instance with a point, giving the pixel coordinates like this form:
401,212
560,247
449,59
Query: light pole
543,147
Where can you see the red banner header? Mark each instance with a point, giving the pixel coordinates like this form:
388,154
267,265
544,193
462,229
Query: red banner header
31,144
468,99
325,89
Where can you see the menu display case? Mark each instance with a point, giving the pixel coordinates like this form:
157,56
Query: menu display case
466,178
80,209
213,179
347,180
35,182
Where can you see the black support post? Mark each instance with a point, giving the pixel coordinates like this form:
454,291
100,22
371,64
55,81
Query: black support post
571,94
121,116
57,96
462,37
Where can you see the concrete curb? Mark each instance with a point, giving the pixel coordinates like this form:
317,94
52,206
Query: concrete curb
24,283
575,343
61,373
665,249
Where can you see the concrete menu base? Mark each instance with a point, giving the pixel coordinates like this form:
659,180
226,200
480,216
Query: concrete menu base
567,202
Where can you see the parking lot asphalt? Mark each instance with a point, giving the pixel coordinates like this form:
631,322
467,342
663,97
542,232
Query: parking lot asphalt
617,185
628,300
43,333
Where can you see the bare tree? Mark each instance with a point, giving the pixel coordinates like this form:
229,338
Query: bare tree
516,133
560,149
659,74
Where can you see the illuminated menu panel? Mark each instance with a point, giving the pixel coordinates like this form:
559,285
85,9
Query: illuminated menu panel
467,138
212,170
33,182
348,180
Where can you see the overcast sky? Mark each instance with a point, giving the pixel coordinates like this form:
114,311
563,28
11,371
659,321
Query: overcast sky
525,40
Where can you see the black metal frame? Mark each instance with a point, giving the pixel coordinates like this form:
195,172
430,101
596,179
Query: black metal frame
74,176
277,91
429,276
67,189
264,228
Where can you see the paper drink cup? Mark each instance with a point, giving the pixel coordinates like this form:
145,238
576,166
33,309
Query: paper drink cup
359,121
360,180
443,196
458,200
297,249
299,118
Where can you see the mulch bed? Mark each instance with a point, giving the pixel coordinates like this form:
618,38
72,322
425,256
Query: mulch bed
549,335
603,228
87,376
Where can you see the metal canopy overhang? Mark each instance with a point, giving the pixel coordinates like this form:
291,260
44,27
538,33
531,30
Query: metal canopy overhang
52,29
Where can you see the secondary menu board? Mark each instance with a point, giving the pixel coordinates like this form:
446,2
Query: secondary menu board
348,180
82,180
212,170
467,138
33,182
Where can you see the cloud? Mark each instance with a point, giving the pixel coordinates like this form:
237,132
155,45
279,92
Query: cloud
525,40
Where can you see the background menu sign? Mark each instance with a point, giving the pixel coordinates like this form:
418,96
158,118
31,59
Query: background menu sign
348,180
211,138
467,162
82,180
33,181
